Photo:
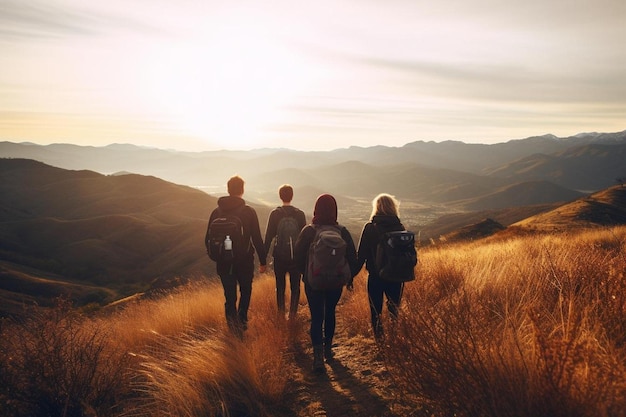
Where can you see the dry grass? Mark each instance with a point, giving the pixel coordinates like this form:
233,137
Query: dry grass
171,356
194,366
529,326
57,363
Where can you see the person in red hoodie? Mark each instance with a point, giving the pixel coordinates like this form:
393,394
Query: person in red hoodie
241,271
322,304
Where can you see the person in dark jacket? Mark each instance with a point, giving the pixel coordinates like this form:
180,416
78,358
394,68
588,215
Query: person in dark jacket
242,270
322,304
285,265
384,218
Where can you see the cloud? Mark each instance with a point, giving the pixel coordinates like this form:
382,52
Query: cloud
38,19
35,19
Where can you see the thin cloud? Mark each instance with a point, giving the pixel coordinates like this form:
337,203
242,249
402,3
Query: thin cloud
44,20
504,82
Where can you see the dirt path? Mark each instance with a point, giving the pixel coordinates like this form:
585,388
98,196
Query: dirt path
356,383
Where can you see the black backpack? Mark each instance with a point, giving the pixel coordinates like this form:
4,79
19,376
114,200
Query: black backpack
328,268
286,235
396,256
226,226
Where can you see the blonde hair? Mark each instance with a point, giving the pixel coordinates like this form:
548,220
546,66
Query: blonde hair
385,205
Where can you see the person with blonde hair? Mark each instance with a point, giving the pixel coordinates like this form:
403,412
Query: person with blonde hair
384,218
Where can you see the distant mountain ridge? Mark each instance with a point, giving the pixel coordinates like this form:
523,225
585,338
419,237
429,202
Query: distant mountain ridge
584,162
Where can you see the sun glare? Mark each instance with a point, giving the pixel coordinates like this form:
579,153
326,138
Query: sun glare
227,88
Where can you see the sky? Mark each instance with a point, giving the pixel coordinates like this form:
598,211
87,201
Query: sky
198,75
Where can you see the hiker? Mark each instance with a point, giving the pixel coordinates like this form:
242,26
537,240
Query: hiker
283,227
322,302
234,253
384,218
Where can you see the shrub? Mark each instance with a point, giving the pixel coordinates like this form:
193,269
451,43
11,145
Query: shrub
57,363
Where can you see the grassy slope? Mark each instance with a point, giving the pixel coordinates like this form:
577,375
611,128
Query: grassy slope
604,208
109,231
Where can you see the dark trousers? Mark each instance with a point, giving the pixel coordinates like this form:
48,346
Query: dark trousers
237,316
322,305
378,289
281,271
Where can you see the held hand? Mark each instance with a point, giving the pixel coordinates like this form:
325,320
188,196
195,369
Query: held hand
262,269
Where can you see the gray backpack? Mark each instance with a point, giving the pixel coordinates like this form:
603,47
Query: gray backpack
328,268
286,235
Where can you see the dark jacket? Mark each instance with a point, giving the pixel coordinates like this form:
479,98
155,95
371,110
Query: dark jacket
250,222
276,216
370,236
304,242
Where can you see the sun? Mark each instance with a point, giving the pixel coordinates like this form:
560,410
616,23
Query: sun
227,87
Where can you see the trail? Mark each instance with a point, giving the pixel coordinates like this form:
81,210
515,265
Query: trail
356,383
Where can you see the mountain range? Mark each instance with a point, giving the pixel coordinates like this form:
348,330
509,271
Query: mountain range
426,171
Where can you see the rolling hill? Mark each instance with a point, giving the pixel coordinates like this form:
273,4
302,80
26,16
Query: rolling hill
76,229
604,208
520,195
589,167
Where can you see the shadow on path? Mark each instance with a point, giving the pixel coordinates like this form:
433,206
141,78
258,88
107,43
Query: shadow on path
341,390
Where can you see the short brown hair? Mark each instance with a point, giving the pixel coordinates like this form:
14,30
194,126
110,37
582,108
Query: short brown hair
235,185
286,193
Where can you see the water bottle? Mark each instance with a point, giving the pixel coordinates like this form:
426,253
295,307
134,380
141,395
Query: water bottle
228,244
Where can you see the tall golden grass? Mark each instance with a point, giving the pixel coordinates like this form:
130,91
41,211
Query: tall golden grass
527,326
534,326
171,356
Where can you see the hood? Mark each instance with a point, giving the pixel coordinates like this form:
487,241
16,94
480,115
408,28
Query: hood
386,220
230,203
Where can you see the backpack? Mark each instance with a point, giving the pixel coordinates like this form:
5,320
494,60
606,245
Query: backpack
396,256
328,267
286,235
226,227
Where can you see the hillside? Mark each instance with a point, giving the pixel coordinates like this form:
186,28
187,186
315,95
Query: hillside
588,167
482,229
451,223
81,228
522,194
461,345
604,208
22,286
